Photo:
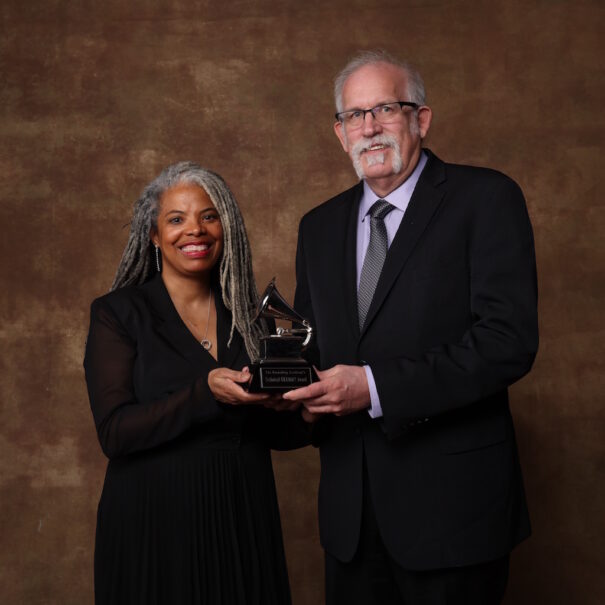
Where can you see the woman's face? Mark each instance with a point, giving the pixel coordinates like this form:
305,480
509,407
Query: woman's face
189,231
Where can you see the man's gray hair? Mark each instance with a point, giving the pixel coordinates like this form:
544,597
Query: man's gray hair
235,273
415,85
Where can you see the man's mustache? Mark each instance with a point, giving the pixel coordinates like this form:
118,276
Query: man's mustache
365,143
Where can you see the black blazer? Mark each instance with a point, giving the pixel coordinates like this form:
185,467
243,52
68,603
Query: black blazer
452,324
147,378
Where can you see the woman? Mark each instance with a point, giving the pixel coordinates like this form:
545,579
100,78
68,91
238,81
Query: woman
188,512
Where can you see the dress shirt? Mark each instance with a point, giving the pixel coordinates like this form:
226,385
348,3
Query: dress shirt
399,198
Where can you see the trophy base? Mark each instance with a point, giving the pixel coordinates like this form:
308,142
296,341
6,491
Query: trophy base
280,375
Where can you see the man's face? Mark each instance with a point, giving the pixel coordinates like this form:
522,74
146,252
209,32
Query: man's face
382,154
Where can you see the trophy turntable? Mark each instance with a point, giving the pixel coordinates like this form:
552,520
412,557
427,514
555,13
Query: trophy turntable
280,366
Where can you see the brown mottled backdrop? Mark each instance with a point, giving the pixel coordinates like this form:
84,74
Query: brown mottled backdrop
96,97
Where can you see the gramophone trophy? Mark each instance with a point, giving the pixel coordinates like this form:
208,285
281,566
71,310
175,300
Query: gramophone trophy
281,366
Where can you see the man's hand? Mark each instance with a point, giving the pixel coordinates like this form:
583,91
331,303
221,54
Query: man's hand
341,390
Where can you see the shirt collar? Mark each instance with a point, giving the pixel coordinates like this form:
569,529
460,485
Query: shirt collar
400,197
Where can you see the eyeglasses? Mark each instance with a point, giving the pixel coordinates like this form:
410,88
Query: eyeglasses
383,114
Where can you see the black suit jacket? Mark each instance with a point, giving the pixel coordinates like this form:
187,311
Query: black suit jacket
452,324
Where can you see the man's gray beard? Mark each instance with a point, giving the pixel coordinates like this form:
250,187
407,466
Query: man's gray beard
376,158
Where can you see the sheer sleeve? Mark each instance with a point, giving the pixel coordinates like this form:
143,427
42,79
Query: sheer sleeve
125,425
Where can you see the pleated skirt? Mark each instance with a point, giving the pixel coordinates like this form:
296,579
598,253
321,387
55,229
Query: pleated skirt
194,522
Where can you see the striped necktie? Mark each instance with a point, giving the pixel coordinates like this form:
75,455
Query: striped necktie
374,259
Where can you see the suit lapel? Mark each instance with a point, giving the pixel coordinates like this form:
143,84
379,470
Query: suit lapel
169,324
423,204
349,273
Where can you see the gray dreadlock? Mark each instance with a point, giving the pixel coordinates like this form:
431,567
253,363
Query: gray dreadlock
235,273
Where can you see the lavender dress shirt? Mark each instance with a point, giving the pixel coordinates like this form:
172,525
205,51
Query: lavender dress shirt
400,198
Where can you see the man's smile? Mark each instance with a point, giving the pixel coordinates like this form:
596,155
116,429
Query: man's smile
376,147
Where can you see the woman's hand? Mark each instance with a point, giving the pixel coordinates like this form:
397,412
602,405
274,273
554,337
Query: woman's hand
228,386
309,417
279,404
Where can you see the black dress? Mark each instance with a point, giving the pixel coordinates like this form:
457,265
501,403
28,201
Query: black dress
188,512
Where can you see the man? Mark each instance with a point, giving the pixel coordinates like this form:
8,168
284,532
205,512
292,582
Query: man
425,311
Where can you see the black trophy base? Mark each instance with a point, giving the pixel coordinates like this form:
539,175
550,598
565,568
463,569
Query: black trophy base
280,375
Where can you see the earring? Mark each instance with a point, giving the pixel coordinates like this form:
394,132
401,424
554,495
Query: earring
157,258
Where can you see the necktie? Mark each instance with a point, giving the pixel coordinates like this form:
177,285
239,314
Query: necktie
374,259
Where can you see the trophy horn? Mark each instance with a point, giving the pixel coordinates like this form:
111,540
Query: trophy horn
273,305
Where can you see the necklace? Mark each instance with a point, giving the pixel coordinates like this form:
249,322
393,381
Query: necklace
207,344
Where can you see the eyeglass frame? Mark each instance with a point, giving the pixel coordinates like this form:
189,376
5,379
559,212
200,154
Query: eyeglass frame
401,104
